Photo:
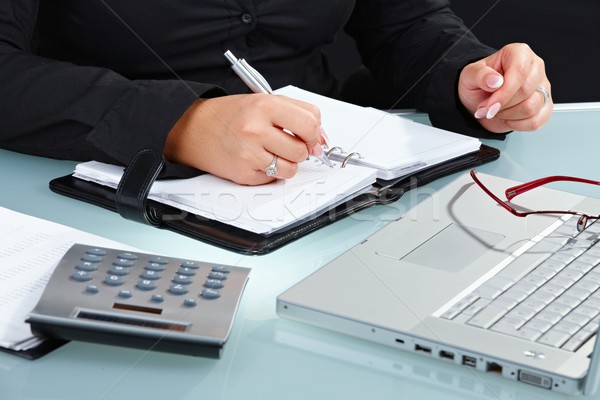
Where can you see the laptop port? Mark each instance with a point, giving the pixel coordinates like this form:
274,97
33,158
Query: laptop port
469,361
422,349
535,379
447,355
494,368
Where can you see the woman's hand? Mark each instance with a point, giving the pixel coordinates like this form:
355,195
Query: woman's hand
505,90
236,137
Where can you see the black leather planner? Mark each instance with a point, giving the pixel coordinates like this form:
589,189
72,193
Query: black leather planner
130,201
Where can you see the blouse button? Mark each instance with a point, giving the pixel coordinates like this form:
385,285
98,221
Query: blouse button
246,18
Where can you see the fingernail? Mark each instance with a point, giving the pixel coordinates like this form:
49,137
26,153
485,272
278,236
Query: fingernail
493,110
481,112
494,81
324,137
317,150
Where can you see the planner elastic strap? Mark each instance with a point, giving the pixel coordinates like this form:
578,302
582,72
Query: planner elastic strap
134,187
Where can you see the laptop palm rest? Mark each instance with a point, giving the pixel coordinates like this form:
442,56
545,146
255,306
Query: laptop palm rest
450,249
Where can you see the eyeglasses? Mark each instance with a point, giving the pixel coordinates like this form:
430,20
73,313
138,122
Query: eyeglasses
512,192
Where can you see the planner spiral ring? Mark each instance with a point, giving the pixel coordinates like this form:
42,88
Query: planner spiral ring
346,158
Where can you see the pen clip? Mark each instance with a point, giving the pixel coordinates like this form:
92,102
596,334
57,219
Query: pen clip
257,76
251,77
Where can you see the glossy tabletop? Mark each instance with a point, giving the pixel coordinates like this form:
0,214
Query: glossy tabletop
267,357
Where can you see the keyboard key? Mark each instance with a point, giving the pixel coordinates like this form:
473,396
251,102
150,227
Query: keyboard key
499,282
539,325
553,290
542,297
581,266
521,313
566,327
473,308
559,309
554,338
577,319
529,333
548,316
533,304
487,317
569,301
587,312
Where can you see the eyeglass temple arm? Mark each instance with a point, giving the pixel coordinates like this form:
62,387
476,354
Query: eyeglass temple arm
514,191
492,195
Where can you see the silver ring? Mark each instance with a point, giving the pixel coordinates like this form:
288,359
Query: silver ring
271,170
544,93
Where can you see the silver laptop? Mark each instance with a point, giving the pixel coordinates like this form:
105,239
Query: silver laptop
460,279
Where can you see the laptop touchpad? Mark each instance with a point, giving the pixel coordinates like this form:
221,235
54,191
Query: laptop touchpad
450,249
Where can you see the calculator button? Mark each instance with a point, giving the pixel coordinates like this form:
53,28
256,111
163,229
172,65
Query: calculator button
217,275
221,268
92,289
213,283
210,294
178,289
125,294
128,256
186,271
190,302
159,260
118,270
87,266
146,284
190,264
155,267
123,262
157,298
82,276
96,252
152,275
114,280
91,258
183,280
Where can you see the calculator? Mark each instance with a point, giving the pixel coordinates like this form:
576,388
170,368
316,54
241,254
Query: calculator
140,300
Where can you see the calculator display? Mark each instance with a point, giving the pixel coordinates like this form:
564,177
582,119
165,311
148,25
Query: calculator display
116,319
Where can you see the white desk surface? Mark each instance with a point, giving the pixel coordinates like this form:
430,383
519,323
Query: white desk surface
267,357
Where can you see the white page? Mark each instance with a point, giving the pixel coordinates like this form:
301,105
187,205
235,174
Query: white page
261,209
393,144
30,249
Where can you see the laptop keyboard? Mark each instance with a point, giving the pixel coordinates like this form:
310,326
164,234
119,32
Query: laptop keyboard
556,302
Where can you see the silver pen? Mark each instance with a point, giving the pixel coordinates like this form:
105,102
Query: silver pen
255,81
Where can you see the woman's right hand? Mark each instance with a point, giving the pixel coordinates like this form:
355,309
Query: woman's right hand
236,137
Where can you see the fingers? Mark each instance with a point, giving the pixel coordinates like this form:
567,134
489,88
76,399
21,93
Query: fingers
522,74
237,137
291,129
502,90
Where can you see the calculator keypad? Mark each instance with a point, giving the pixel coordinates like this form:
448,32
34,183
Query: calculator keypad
122,267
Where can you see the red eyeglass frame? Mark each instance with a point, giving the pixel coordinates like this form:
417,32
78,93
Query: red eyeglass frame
514,191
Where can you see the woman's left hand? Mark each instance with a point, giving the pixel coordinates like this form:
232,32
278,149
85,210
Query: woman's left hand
507,90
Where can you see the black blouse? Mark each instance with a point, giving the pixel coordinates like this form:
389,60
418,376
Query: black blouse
101,79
